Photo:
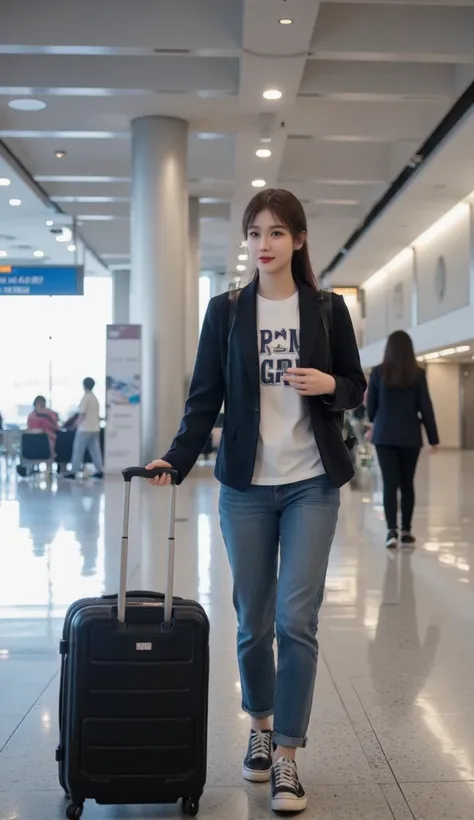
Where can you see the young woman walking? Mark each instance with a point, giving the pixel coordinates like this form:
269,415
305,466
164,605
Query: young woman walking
398,403
284,358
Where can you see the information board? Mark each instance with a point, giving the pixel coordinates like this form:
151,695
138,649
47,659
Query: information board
41,280
123,384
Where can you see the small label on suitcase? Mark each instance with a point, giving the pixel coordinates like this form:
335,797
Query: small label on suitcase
144,647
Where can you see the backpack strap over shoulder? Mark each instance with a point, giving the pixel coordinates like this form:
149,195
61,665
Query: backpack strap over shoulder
234,296
327,317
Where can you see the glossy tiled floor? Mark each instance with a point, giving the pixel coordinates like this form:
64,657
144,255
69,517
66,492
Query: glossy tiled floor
392,732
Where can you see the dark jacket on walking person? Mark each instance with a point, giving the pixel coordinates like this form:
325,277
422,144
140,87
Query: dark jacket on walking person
399,405
399,413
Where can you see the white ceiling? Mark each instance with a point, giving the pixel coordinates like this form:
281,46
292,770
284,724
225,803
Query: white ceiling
24,229
363,85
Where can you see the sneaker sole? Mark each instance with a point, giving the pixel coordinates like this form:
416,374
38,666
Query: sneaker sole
256,777
289,803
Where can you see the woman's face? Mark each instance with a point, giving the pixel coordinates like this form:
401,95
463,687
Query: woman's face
270,244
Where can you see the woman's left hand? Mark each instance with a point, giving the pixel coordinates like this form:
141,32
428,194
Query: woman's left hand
310,382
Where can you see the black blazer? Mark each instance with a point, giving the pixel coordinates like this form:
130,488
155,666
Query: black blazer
233,375
398,412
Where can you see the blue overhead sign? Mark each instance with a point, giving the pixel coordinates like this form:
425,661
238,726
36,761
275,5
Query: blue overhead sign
55,280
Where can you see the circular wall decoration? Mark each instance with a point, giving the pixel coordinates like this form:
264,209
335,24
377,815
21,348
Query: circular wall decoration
440,278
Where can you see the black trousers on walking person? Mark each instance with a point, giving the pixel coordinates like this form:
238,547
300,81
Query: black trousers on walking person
398,466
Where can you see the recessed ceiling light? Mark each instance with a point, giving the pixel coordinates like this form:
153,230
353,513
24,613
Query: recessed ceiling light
241,268
27,104
60,154
285,21
258,183
65,236
3,254
210,135
266,139
15,203
263,153
38,254
272,94
49,223
244,243
71,248
242,257
4,182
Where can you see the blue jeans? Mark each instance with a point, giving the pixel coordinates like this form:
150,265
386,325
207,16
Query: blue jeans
300,518
86,441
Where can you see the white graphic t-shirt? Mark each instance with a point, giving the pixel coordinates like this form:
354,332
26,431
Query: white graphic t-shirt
287,451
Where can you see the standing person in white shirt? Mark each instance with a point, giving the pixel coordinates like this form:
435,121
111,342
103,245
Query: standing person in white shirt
88,432
285,361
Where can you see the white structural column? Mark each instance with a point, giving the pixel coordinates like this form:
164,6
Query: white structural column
121,294
159,262
192,288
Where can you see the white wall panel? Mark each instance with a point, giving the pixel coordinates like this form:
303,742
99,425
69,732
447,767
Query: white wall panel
443,383
443,269
400,298
376,313
388,298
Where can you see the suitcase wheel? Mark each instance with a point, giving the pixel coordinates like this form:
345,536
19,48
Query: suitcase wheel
190,806
74,812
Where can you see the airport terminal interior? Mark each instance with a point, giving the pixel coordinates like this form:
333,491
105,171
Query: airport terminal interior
132,137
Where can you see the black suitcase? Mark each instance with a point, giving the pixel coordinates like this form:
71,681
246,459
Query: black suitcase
134,692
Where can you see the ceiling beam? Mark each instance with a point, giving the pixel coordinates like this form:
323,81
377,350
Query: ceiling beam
391,81
114,25
78,74
390,33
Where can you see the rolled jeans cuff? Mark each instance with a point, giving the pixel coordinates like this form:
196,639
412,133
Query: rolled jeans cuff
258,715
290,742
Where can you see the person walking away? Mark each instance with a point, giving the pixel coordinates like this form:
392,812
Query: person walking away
284,356
87,433
398,404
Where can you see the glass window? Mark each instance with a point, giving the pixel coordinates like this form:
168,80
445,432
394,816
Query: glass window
49,345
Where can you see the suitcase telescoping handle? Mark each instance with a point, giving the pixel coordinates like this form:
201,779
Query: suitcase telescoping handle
141,472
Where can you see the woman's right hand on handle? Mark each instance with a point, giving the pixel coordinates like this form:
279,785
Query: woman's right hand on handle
159,481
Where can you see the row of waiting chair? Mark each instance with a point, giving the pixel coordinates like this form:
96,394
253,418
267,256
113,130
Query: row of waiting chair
32,449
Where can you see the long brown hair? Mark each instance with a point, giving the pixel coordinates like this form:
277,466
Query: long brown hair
399,367
289,210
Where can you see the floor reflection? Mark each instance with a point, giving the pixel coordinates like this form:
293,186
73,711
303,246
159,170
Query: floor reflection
394,697
397,644
52,548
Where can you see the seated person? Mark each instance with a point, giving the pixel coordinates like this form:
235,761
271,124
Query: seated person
43,420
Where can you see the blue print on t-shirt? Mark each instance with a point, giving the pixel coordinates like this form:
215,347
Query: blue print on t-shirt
279,350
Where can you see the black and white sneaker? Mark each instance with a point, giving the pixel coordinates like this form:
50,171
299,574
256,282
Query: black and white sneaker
287,792
258,761
407,539
391,542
